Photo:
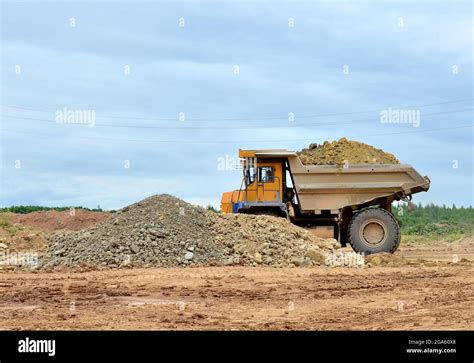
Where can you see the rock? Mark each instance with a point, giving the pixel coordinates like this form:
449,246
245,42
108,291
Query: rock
229,261
59,252
297,261
334,243
267,251
134,248
268,260
3,245
305,262
257,257
316,256
189,256
157,233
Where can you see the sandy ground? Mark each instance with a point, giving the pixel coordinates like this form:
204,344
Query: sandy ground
241,298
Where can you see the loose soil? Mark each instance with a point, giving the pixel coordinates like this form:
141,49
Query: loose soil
52,220
345,151
30,231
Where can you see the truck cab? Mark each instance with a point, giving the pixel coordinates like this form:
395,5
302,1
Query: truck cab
263,186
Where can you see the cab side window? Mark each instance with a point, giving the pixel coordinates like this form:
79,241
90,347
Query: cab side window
249,176
266,174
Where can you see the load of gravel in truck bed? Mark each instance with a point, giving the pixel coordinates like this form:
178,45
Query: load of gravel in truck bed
342,151
165,231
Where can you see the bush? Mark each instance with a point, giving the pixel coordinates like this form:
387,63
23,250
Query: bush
436,221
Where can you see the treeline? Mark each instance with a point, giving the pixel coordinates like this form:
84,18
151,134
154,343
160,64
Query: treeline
212,209
434,219
24,209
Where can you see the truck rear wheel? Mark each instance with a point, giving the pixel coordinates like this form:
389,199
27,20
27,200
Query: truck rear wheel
374,230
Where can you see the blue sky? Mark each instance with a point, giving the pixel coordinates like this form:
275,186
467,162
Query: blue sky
399,54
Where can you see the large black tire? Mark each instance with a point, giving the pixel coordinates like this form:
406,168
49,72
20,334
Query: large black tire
374,230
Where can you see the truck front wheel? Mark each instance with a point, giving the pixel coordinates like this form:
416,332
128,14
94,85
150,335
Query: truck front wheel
374,230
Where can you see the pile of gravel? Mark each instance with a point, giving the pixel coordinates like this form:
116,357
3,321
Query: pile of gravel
165,231
273,241
341,151
160,230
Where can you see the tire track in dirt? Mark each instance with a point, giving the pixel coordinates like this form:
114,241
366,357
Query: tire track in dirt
240,298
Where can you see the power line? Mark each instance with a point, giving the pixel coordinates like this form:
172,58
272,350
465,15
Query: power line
255,118
288,125
242,141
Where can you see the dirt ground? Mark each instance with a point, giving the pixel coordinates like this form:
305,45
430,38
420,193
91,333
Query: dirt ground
420,287
439,251
30,231
53,220
241,298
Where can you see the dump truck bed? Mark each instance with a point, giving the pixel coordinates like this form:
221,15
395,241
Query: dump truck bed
332,187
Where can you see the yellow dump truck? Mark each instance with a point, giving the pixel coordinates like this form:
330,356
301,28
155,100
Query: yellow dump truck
351,203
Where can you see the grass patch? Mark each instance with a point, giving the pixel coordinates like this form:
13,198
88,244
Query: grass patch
7,225
5,221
